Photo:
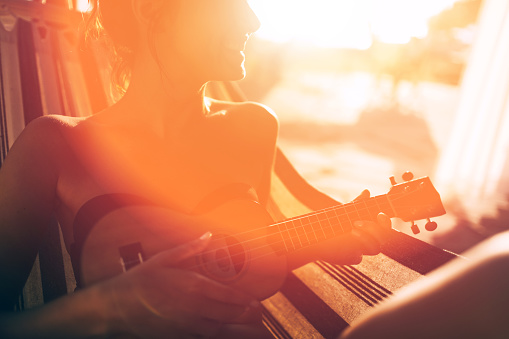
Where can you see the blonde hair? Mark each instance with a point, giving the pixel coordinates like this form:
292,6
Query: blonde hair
114,22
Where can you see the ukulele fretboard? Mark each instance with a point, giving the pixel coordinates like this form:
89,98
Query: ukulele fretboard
312,228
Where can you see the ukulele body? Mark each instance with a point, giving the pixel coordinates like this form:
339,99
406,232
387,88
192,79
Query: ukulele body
239,253
246,251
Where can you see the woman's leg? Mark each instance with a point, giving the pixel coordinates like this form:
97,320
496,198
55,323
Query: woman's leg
466,298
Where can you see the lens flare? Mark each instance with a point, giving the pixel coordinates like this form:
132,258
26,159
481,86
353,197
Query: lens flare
345,23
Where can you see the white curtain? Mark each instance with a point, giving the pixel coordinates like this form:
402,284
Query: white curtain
474,166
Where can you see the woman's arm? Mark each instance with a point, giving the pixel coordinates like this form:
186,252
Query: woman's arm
152,299
28,180
83,315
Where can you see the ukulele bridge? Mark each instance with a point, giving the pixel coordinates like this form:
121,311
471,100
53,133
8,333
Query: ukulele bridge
131,255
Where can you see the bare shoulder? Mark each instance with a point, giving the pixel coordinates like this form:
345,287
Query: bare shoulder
48,129
42,139
251,130
247,117
52,123
246,109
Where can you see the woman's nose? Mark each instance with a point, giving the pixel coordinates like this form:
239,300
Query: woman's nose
248,19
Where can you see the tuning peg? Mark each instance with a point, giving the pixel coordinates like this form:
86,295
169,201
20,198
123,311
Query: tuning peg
407,176
431,225
415,228
393,181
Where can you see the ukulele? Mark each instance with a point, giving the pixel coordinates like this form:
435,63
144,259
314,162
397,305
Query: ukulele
248,250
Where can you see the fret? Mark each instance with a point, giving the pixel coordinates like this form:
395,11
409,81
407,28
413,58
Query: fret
311,228
362,210
335,224
344,220
303,237
308,228
356,216
275,240
351,211
321,216
334,221
384,205
373,209
338,214
284,232
327,229
322,219
317,228
325,225
294,236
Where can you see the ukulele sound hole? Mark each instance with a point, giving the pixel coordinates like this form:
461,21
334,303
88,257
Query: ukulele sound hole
224,259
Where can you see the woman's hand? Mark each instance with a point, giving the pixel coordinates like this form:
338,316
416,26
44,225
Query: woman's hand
156,300
365,238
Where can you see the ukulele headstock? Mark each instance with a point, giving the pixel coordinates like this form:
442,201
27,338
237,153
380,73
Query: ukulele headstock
415,199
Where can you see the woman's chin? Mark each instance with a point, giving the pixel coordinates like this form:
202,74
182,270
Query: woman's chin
231,74
232,66
227,67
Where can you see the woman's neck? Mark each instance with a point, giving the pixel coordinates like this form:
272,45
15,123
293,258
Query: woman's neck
164,105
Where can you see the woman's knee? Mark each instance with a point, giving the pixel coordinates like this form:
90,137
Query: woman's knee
493,251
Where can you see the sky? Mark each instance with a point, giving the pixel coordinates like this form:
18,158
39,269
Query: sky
345,23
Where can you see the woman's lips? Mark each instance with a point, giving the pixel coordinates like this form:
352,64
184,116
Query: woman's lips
237,45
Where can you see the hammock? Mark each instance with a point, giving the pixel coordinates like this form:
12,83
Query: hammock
41,70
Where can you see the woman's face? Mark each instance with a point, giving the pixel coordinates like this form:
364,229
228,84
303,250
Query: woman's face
206,38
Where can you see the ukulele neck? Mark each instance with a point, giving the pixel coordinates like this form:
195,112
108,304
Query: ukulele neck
299,232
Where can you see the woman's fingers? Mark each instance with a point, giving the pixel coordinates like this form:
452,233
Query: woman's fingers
225,294
363,196
351,253
199,295
371,235
368,241
173,299
378,229
384,221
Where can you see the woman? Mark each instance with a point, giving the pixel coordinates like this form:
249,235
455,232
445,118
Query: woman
164,142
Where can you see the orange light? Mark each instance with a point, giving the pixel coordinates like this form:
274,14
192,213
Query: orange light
83,6
345,23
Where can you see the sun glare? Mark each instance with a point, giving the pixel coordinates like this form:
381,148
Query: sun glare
345,23
82,5
340,23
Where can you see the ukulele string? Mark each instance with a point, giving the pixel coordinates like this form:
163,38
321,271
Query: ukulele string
302,227
302,245
301,217
196,266
297,228
310,243
337,207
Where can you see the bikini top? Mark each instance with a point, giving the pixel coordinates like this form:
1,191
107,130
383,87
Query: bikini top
96,208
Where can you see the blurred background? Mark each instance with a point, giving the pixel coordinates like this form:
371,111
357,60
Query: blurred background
368,89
